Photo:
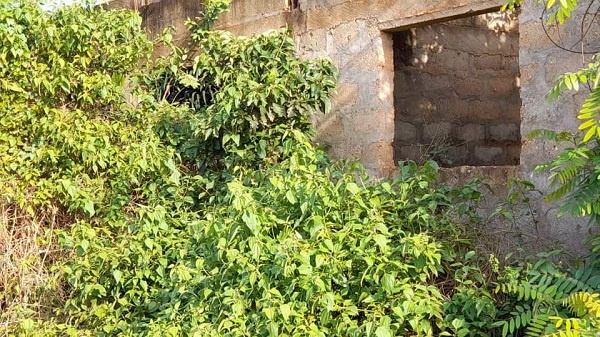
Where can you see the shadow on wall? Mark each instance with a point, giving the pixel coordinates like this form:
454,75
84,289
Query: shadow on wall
457,94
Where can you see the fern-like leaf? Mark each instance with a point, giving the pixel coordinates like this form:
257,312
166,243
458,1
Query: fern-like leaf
584,304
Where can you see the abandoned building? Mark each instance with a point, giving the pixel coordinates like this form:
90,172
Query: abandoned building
458,81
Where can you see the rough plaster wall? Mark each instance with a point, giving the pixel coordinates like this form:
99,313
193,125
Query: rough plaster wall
457,91
541,62
363,121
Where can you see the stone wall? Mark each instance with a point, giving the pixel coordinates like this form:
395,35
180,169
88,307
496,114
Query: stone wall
457,91
357,35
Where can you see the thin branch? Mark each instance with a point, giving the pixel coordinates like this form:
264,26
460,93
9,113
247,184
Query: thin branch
570,50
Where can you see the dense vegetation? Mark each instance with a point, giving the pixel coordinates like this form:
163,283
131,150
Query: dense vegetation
184,197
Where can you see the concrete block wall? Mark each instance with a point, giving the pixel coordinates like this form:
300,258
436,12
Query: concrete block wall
457,91
541,62
357,35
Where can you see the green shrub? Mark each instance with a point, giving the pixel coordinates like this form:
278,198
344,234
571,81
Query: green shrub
542,294
545,299
278,240
72,148
244,95
471,310
68,134
198,205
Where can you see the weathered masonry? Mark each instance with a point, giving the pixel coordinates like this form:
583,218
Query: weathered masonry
452,80
457,91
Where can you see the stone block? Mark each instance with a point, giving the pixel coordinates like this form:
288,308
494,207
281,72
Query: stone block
412,152
378,155
441,85
330,129
502,86
313,41
496,62
405,131
512,111
250,9
471,86
369,126
459,110
343,36
513,154
254,26
453,59
404,85
470,132
530,75
410,82
482,41
490,155
505,132
559,63
418,107
368,59
532,36
447,61
485,110
436,131
506,21
347,94
454,156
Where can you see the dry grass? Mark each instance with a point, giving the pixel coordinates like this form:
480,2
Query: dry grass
27,248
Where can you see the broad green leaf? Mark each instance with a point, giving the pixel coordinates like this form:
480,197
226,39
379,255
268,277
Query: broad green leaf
250,220
89,208
381,241
353,188
285,311
388,282
117,275
383,331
